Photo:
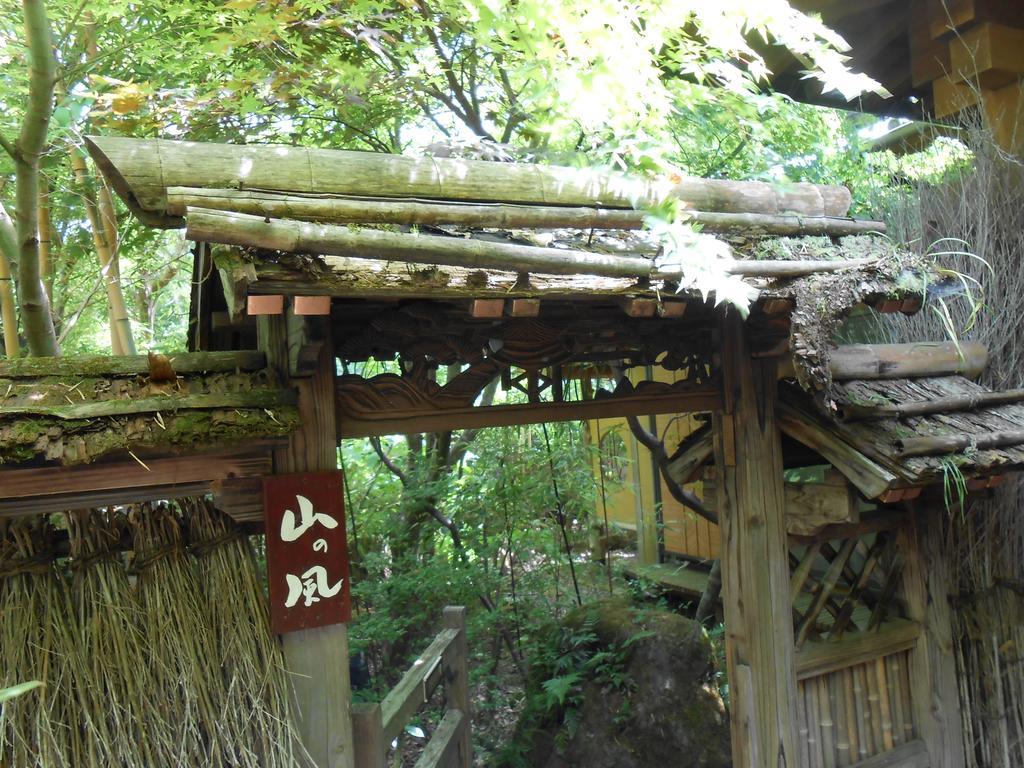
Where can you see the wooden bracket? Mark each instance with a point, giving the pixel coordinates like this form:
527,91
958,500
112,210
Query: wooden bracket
265,305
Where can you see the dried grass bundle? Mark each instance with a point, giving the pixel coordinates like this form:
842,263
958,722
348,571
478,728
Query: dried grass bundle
258,690
113,675
38,728
190,694
982,210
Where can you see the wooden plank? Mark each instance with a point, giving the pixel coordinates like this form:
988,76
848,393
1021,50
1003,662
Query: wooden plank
416,685
934,691
397,421
368,736
672,577
880,522
871,478
61,484
128,365
822,657
47,505
443,749
991,55
755,567
456,682
316,659
913,754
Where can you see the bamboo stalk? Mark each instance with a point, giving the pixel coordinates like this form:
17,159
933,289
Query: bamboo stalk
802,725
843,740
45,230
229,228
850,706
863,710
883,702
855,411
941,444
814,723
115,299
825,710
365,210
141,170
892,666
875,703
8,311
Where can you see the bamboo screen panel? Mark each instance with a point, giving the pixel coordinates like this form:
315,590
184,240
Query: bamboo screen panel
852,714
844,585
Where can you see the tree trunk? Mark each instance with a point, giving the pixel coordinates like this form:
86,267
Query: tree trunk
45,228
35,306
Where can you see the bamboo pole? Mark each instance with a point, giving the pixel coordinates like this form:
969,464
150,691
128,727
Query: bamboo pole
863,708
141,171
971,402
843,741
882,690
904,361
828,741
45,228
367,210
8,311
934,445
121,340
229,228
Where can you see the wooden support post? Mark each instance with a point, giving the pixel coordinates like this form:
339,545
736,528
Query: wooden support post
646,515
935,695
317,659
456,685
368,735
755,559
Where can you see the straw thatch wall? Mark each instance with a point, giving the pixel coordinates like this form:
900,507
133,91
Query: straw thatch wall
985,541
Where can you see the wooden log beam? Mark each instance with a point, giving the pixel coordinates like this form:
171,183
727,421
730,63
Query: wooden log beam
257,398
242,229
129,365
141,171
972,402
362,210
936,445
904,361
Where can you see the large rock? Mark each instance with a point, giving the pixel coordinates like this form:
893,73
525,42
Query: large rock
648,700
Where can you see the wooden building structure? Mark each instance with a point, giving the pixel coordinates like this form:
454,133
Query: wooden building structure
837,623
934,58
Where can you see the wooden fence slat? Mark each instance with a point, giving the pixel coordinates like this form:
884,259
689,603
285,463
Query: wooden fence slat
442,751
368,736
411,692
456,676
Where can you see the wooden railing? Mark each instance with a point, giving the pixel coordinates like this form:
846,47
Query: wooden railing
376,725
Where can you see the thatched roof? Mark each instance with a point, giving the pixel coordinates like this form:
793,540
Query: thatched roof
74,410
868,440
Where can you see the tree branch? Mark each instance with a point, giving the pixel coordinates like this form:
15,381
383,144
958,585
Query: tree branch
8,147
657,449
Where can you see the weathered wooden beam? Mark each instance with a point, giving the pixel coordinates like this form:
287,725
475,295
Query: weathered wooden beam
870,478
754,559
352,210
316,659
45,490
130,365
141,171
822,657
396,421
971,402
256,398
445,747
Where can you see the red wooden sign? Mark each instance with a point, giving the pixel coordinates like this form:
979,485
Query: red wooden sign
307,552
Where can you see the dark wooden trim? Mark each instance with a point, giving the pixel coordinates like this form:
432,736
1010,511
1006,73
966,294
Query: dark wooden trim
42,490
393,422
